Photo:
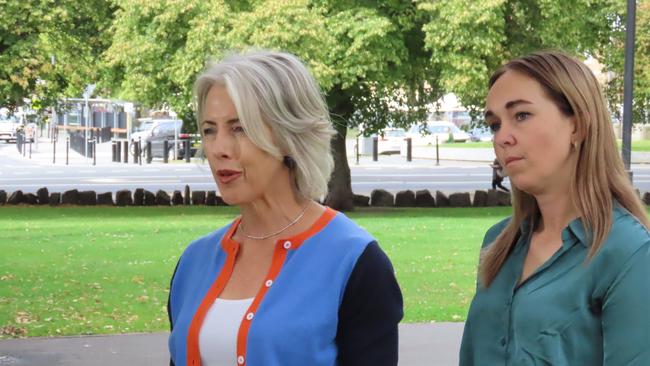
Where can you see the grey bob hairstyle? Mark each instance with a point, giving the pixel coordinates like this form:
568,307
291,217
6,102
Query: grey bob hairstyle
274,91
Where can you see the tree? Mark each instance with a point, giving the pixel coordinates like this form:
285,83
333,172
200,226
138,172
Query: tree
471,39
360,53
613,58
48,48
379,63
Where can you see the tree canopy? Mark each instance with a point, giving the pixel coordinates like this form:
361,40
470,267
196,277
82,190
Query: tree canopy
379,62
50,49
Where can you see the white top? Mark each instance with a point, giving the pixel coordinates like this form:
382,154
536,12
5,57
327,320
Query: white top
218,334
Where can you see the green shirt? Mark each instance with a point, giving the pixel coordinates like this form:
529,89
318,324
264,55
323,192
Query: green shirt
568,312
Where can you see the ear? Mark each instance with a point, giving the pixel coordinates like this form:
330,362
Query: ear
578,133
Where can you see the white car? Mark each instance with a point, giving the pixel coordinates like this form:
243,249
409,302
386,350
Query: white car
390,140
443,130
8,128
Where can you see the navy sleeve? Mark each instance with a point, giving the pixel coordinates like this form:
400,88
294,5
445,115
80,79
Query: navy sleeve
169,306
372,307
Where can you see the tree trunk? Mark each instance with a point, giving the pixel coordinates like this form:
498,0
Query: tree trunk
340,195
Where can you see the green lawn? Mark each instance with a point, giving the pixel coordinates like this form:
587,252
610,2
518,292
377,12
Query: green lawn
637,145
68,271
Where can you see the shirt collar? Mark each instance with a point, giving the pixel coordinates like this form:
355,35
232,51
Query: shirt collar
575,229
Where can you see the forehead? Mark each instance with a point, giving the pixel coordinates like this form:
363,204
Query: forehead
218,103
514,85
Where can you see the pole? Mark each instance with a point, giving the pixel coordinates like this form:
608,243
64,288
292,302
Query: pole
30,148
375,148
94,151
409,155
54,148
437,152
628,85
175,139
356,149
67,149
165,151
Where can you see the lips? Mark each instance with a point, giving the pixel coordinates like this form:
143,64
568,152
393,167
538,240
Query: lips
511,160
226,176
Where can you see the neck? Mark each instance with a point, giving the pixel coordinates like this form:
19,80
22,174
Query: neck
268,215
557,211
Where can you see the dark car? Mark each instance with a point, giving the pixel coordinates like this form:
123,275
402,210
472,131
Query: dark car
157,131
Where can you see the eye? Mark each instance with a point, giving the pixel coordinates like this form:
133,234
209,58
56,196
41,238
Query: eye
494,126
238,129
522,116
208,131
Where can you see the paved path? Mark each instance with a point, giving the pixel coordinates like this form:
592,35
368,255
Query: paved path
434,344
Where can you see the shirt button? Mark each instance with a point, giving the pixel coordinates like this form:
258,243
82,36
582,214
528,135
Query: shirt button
240,360
503,341
249,316
268,283
287,245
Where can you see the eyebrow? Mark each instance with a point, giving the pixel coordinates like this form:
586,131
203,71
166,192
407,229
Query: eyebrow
210,122
511,104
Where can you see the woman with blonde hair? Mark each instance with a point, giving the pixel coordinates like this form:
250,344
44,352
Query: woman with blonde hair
566,279
289,281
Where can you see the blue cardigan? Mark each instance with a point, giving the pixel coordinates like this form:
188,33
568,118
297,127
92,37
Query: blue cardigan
330,298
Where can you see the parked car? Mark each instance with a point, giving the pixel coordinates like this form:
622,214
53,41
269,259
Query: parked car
157,131
390,141
9,126
445,131
481,134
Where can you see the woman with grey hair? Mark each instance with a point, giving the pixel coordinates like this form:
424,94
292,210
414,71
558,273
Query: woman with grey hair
289,281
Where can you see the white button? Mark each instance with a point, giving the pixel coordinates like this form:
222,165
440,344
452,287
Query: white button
269,283
249,316
240,360
287,245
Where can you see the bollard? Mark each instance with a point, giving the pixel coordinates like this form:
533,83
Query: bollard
166,151
67,149
30,148
94,152
375,148
54,150
118,151
356,149
22,144
139,150
113,150
126,152
437,152
149,157
187,150
409,147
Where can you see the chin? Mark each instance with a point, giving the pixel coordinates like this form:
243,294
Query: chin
523,185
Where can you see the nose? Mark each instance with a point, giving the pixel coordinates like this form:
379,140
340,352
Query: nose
221,146
504,136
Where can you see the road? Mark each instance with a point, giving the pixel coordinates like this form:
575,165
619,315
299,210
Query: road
392,173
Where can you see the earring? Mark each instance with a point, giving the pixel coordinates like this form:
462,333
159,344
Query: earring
574,144
289,162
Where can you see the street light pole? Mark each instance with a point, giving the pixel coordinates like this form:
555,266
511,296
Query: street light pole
628,84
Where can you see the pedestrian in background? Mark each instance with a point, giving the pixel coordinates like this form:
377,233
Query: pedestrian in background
497,175
565,279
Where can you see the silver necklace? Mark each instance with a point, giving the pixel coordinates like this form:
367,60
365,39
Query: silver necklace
241,227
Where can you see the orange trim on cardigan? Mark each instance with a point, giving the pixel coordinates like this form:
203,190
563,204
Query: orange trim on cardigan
282,246
231,247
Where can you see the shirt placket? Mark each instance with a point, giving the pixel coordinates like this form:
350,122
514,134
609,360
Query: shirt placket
518,289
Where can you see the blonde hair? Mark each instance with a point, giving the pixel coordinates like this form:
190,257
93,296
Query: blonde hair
599,178
275,90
